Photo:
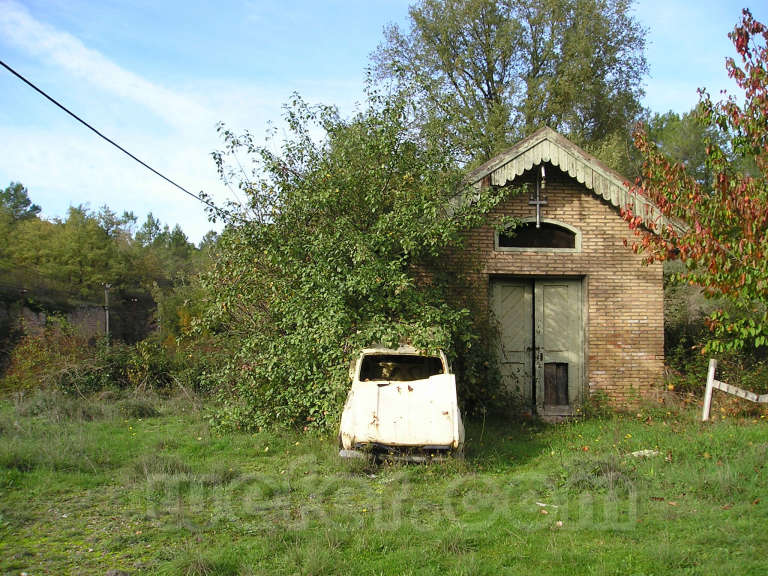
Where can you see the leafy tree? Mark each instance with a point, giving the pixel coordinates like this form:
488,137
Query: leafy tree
114,225
488,72
724,238
178,243
57,262
208,241
330,260
683,138
149,232
15,201
6,232
60,263
85,253
74,256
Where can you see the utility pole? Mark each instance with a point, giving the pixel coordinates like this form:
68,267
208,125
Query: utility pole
107,286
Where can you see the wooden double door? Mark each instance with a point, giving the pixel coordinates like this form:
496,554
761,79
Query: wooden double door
541,341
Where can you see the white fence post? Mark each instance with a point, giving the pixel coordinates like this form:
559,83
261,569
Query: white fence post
710,386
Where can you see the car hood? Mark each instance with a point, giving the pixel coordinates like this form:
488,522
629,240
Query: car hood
418,413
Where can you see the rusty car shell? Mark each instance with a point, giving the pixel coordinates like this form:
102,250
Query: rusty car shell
403,402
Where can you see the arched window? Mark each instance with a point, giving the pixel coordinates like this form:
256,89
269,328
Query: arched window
550,235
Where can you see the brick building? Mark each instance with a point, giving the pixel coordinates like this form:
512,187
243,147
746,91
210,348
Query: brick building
576,310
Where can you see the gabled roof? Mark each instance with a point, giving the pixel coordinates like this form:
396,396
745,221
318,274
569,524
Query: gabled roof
546,145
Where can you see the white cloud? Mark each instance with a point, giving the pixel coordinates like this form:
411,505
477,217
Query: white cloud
63,164
63,50
62,169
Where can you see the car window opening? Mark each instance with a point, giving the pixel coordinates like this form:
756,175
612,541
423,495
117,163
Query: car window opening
399,367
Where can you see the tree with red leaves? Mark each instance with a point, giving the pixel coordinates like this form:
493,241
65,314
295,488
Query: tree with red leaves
719,229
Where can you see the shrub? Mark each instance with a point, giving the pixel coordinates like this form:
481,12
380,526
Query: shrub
198,363
598,405
335,251
59,358
41,357
687,336
149,366
143,366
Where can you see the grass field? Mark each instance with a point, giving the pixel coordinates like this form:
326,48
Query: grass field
145,486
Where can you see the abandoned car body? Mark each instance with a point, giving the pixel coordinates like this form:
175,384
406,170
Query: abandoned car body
401,401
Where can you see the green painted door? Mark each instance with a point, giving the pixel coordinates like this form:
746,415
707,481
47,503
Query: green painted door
512,307
541,341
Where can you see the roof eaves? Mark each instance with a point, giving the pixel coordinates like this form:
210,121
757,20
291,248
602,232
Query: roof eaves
547,145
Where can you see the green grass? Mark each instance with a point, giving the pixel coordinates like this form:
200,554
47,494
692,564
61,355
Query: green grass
144,485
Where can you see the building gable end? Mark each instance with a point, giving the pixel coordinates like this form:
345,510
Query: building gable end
547,146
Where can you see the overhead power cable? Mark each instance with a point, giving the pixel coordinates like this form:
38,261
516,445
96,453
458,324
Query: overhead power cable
218,210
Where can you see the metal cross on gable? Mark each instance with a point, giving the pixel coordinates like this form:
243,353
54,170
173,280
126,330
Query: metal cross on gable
539,200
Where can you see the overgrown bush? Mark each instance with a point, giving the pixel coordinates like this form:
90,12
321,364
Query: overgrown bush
41,357
59,358
200,363
687,335
332,252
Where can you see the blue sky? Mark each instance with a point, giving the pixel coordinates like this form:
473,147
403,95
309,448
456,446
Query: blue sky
157,76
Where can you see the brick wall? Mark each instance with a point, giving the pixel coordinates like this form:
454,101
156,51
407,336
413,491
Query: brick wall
624,313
